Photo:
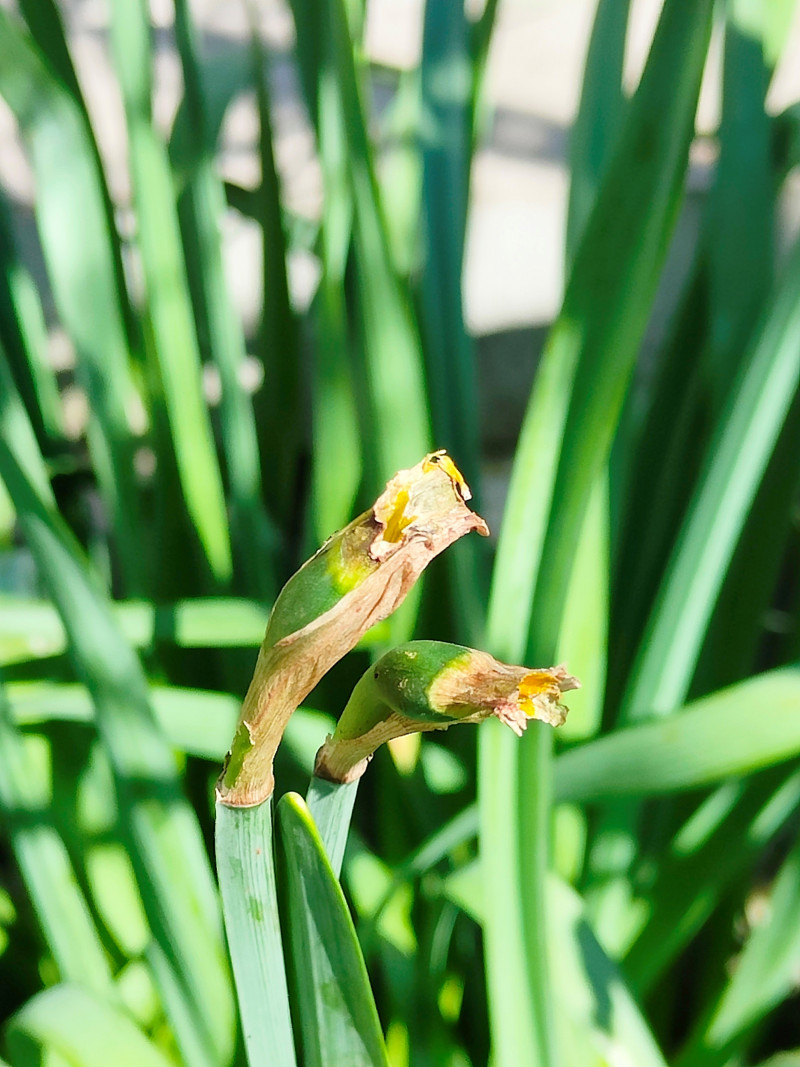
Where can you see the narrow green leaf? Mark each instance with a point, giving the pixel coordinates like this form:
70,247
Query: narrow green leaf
516,1030
196,721
174,342
447,840
44,19
582,640
331,806
735,632
338,1019
585,977
246,873
337,466
163,835
742,208
743,439
200,207
447,88
600,1018
71,1023
278,403
79,252
691,879
660,461
765,974
446,136
596,128
33,628
608,298
736,731
481,39
565,440
398,416
24,336
57,899
743,442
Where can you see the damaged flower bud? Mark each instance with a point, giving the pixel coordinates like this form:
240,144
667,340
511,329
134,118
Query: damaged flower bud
358,578
429,685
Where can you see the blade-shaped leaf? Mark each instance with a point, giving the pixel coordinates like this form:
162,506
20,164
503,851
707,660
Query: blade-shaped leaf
337,1015
33,628
162,830
45,865
81,1030
744,439
600,1018
200,207
565,439
173,339
246,872
736,731
78,248
765,974
331,806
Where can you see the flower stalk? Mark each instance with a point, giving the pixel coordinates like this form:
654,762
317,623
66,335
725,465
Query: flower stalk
358,578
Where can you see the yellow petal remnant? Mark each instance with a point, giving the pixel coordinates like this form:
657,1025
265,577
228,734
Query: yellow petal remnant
540,694
432,685
358,577
398,520
442,460
414,500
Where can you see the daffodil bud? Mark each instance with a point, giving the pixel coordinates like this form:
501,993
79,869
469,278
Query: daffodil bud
358,577
429,685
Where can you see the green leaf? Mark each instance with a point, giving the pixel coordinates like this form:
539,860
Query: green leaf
195,721
71,1023
33,628
279,416
78,246
565,440
43,860
162,833
44,19
398,416
173,338
337,1015
337,464
446,136
246,871
446,114
701,865
582,640
600,1020
737,731
743,441
742,208
331,806
24,336
596,129
200,208
765,974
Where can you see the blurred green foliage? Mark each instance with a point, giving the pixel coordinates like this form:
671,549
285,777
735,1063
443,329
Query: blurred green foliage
631,896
